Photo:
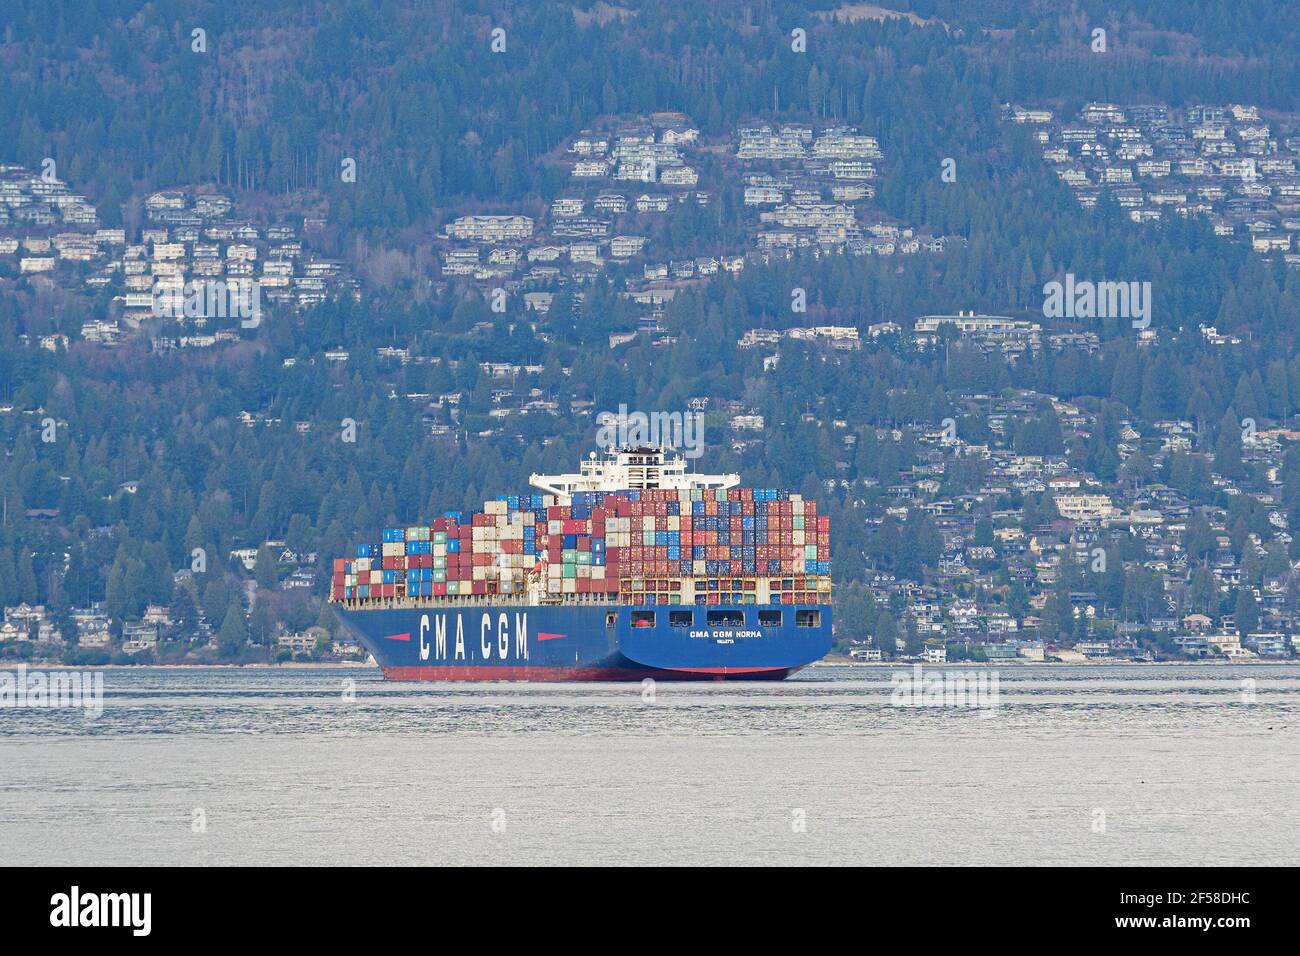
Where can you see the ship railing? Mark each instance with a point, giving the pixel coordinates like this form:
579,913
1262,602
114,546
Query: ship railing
479,600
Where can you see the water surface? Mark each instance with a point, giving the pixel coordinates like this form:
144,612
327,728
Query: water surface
1180,764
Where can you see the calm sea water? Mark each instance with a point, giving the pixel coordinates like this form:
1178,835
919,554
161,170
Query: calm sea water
1190,764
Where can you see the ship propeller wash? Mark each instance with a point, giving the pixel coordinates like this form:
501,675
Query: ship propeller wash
632,567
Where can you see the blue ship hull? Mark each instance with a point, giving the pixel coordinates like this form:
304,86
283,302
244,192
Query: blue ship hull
581,643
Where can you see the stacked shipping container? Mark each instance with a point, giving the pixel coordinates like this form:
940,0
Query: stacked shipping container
732,546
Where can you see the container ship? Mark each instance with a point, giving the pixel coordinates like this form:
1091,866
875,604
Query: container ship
633,567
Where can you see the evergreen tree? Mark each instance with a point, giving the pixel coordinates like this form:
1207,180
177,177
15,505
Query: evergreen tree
233,635
1246,613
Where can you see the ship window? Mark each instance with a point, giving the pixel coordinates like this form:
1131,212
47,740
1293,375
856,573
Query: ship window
769,618
643,618
611,619
726,618
807,618
681,618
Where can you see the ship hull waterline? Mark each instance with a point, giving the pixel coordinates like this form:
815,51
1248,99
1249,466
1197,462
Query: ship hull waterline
512,642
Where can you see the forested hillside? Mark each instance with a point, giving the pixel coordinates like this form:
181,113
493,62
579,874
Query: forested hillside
148,460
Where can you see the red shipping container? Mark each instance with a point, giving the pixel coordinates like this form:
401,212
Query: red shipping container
340,565
338,580
439,588
478,587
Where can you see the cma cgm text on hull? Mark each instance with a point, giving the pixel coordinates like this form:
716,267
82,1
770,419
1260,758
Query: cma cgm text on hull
631,567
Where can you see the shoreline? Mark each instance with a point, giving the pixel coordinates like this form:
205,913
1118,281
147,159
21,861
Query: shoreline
335,665
1101,662
287,665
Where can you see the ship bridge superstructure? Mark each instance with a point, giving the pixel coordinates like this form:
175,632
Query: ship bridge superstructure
631,469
